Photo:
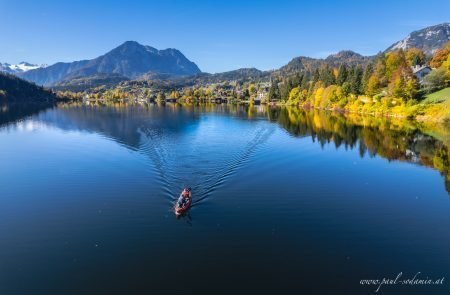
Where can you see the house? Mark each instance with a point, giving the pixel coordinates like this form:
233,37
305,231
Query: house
421,71
170,99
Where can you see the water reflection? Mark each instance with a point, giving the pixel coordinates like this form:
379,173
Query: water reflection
10,113
393,139
160,130
92,188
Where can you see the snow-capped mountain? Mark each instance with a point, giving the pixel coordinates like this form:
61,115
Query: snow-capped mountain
429,39
19,68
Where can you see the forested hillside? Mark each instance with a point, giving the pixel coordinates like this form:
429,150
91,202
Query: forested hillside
16,90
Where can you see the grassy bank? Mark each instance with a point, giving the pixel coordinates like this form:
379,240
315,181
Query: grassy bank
436,107
433,109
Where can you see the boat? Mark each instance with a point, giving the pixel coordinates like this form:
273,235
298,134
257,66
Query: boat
181,209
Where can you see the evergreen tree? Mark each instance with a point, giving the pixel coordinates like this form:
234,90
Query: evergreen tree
327,76
305,80
342,75
297,80
316,76
285,88
355,79
368,71
274,91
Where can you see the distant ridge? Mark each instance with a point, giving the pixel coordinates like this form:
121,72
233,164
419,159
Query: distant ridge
130,60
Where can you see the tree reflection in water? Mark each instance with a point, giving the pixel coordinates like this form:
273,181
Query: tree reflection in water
390,138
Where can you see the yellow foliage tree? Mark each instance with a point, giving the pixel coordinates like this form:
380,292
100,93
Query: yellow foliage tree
394,61
318,96
373,86
295,94
415,56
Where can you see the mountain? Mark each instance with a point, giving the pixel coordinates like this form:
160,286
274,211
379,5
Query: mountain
348,57
19,99
130,60
81,83
303,63
243,75
54,73
19,68
16,90
429,39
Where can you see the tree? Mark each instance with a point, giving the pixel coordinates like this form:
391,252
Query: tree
161,96
446,66
305,80
395,60
440,56
355,79
295,94
346,88
252,89
274,91
415,56
368,71
316,76
435,80
284,88
198,93
373,86
175,94
326,76
342,75
318,97
297,80
246,93
189,93
404,84
411,88
380,70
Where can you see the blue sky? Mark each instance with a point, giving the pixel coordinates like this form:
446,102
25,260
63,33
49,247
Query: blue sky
217,35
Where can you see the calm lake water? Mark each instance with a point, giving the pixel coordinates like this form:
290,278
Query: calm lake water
285,202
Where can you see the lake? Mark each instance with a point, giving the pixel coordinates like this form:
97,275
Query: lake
285,201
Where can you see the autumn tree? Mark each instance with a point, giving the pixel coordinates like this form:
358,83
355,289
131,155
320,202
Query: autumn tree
380,70
415,56
295,94
175,94
404,84
252,89
440,56
373,86
394,61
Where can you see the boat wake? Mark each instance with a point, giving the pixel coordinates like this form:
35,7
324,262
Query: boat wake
204,162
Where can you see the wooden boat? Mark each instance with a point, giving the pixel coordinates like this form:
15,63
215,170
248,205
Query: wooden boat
181,209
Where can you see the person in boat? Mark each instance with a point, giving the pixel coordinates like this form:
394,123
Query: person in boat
184,197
